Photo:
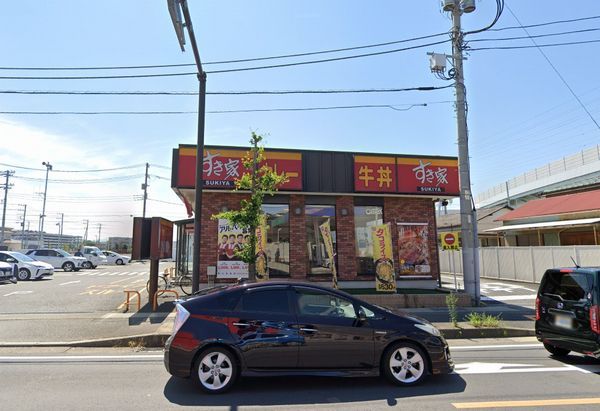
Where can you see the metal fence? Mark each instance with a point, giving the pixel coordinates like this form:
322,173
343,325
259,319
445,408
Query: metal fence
522,263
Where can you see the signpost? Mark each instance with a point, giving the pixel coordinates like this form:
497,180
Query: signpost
450,241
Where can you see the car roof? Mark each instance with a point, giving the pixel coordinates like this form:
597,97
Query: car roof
254,285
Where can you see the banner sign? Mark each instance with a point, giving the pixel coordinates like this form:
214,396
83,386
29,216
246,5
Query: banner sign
450,240
230,239
262,268
325,229
413,248
221,167
427,176
385,278
375,174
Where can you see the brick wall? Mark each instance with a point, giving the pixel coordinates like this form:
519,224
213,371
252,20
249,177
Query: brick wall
346,249
298,251
412,210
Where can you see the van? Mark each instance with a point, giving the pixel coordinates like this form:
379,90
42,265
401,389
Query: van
567,315
93,255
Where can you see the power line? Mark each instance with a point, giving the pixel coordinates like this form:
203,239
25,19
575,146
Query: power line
222,93
570,43
556,70
84,181
562,33
74,171
546,24
120,76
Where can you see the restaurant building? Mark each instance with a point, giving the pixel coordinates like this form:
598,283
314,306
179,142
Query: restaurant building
352,191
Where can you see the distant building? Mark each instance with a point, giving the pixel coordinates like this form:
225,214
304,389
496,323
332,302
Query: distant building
30,239
119,244
486,220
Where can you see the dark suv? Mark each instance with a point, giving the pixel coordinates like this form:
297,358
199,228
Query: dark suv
567,312
288,328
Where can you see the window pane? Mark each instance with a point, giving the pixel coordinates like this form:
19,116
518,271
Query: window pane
317,254
278,239
570,286
267,301
366,217
322,304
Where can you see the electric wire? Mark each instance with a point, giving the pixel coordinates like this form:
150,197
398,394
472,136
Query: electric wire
562,33
538,46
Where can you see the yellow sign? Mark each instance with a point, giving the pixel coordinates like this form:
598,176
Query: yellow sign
385,278
450,240
325,229
262,268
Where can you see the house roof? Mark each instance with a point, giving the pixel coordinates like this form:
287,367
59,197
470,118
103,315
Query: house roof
570,203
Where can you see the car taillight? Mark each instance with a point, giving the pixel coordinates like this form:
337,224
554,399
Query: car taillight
180,317
537,308
594,318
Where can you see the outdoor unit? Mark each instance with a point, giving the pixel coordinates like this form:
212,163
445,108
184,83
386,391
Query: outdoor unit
437,62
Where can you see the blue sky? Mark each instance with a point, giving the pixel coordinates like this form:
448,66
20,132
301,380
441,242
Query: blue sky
520,114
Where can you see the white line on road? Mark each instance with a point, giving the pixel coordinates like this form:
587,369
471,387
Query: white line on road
81,358
18,293
494,347
509,297
71,282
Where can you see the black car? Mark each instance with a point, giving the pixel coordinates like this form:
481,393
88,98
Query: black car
566,311
287,328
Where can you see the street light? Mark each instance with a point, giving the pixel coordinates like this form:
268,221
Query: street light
176,9
43,215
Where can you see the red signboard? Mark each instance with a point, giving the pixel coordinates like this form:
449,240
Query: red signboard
427,176
161,239
375,174
221,167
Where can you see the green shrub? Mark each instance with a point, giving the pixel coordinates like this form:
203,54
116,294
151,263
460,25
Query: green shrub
482,320
451,300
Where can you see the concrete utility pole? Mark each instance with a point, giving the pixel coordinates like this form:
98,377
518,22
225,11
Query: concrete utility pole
468,217
6,187
176,9
23,225
99,231
43,215
145,188
60,229
85,234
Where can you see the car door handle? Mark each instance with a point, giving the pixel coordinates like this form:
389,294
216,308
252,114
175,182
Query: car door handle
308,330
243,325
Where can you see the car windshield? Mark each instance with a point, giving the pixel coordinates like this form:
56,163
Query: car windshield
21,257
63,253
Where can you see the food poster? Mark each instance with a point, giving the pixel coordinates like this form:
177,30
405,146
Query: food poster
231,238
413,248
385,277
325,229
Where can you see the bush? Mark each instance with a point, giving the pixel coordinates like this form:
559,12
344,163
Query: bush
451,300
482,320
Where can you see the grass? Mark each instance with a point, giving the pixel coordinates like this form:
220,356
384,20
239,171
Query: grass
483,320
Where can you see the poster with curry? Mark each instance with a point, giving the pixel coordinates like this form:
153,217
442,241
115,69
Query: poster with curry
385,279
413,248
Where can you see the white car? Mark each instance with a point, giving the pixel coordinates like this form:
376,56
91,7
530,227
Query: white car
93,256
114,258
57,258
8,272
28,268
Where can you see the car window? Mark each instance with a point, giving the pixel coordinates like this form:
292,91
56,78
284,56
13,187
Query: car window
572,286
315,302
21,257
53,253
274,301
3,257
42,253
368,313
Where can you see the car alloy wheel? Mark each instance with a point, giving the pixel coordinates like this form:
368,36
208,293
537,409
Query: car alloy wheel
405,364
68,266
215,370
23,274
87,265
119,262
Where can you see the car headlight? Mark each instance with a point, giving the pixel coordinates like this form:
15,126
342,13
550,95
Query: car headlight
428,328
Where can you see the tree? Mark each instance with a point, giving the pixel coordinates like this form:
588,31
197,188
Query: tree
260,180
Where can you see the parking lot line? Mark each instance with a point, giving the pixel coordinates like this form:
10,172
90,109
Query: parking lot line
526,403
71,282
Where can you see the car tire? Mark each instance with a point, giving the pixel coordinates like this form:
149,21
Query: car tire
87,265
215,370
405,364
68,266
23,274
119,262
556,351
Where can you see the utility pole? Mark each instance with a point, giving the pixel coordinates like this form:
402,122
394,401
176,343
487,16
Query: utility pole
60,229
145,188
99,231
6,187
176,9
468,217
85,234
23,225
43,215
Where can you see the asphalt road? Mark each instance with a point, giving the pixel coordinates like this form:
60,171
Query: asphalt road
488,375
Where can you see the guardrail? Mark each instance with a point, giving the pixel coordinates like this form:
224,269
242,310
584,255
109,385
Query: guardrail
160,292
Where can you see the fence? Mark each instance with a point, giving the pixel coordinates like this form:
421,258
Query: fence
522,263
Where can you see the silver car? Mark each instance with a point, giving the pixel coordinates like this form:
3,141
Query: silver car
28,268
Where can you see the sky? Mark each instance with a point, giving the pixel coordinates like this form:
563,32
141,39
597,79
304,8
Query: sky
521,115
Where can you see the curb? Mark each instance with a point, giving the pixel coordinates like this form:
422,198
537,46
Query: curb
457,333
142,340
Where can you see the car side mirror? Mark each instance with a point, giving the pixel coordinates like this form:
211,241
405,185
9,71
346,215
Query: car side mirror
362,316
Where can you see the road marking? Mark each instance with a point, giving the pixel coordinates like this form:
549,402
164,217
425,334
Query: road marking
81,358
526,403
500,368
71,282
18,293
494,347
509,297
123,273
120,281
114,273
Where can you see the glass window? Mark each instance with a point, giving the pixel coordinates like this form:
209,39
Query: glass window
569,286
43,253
317,254
366,217
266,301
314,302
278,239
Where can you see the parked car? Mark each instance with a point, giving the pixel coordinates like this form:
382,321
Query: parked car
57,258
94,257
293,328
567,313
8,272
27,267
114,258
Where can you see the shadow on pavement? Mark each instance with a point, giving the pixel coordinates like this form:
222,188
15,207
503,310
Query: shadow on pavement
307,390
145,314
